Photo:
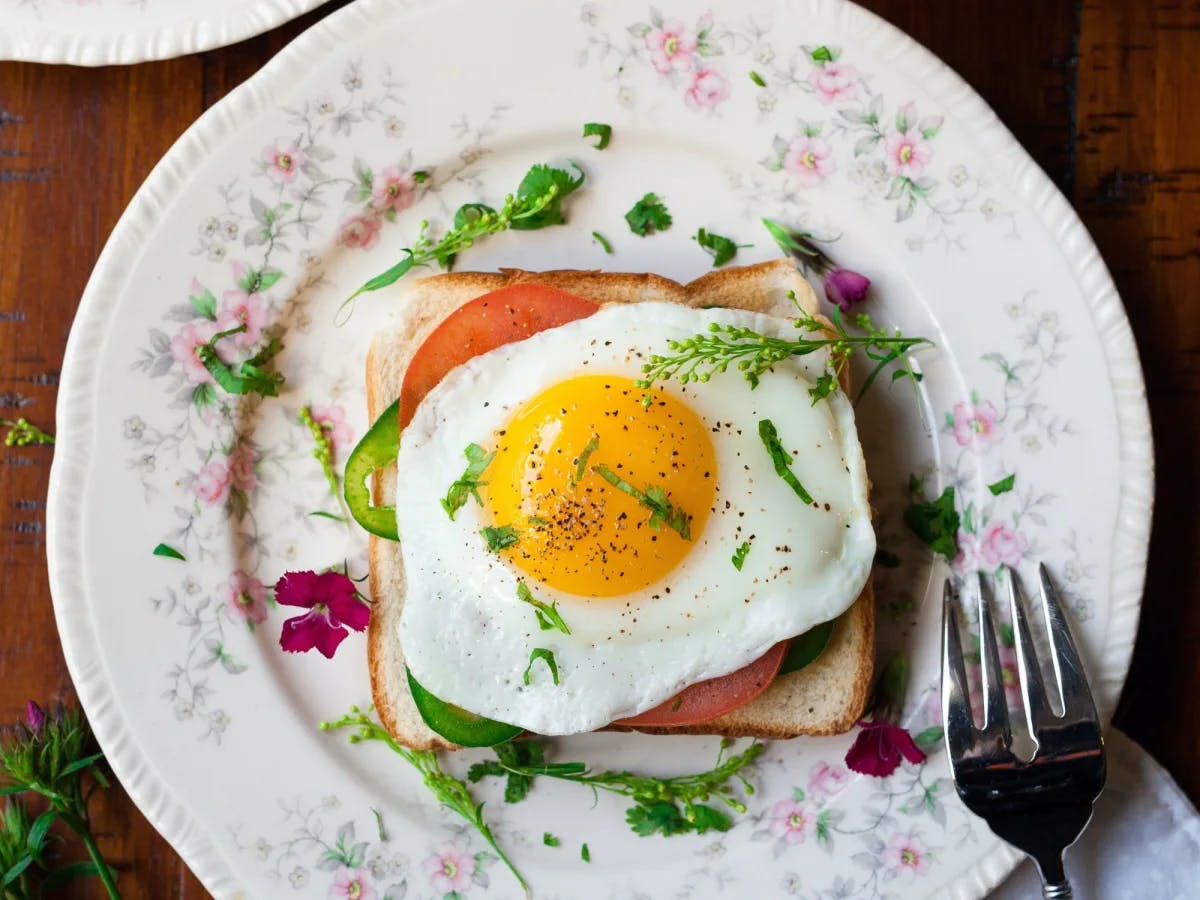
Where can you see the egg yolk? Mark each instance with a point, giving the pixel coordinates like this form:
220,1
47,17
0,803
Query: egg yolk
606,496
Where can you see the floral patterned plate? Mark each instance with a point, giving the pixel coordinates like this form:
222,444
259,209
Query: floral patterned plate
118,32
301,184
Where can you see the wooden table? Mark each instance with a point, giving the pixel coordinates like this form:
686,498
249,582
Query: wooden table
1099,92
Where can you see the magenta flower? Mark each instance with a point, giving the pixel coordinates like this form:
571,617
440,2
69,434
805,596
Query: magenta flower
906,153
904,853
1002,545
879,748
360,232
240,308
35,718
792,821
671,47
394,190
333,605
351,884
449,869
833,81
975,425
844,288
282,161
808,157
184,346
332,420
241,468
245,599
826,781
212,482
709,87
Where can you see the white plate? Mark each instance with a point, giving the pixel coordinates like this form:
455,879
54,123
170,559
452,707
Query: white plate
118,32
212,729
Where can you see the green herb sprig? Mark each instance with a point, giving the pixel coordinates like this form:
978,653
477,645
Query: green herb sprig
648,215
22,433
548,616
581,464
323,449
654,498
667,806
247,377
498,537
740,554
719,247
936,523
546,656
452,793
469,484
769,435
600,131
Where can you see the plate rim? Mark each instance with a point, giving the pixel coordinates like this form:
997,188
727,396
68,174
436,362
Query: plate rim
146,787
157,42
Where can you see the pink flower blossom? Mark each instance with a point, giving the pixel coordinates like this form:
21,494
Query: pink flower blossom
906,153
975,425
1001,545
245,598
671,47
904,853
333,604
241,468
792,821
834,81
394,190
844,287
282,161
809,159
826,781
359,231
351,884
240,308
449,869
332,420
184,347
709,87
212,482
966,561
878,748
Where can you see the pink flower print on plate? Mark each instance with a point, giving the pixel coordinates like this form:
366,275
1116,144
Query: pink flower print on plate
966,561
826,781
245,598
351,884
360,232
449,869
834,81
906,153
709,88
975,425
240,308
184,346
1001,545
332,420
671,47
212,482
793,821
241,468
394,190
809,159
283,161
904,853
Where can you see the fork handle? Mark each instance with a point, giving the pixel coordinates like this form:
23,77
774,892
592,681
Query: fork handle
1059,891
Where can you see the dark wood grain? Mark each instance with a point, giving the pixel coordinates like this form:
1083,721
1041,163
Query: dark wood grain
1100,94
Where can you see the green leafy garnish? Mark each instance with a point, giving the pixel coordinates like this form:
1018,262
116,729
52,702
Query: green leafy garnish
452,793
781,459
648,215
22,433
654,498
936,523
469,484
721,248
537,203
169,552
666,806
581,465
546,656
499,537
740,554
822,54
585,854
548,616
1003,486
550,840
513,757
604,242
804,649
323,451
757,79
248,377
599,130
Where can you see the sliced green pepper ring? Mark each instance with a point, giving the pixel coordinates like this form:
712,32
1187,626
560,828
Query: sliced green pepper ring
376,450
457,725
805,648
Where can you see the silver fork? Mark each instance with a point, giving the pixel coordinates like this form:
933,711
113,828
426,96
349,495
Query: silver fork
1040,805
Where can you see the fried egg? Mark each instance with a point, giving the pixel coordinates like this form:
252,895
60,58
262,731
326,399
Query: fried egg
622,519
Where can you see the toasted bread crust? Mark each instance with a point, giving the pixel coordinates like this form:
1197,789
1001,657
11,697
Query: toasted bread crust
825,698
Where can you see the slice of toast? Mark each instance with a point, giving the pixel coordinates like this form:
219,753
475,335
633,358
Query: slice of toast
826,697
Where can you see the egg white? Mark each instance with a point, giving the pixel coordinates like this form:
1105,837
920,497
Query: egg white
468,639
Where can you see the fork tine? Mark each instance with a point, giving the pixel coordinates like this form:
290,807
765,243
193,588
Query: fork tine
1033,690
995,705
1076,696
956,707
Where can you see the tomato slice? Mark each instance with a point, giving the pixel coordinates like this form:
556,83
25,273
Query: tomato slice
492,320
708,699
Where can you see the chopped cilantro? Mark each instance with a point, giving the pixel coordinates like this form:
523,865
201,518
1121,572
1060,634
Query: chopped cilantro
757,79
1003,486
648,215
605,243
469,484
936,523
499,537
550,840
581,466
546,656
722,249
511,755
585,854
169,552
542,181
547,613
654,498
247,377
598,130
739,555
781,459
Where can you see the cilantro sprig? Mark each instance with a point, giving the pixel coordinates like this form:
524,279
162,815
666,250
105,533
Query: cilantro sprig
546,656
548,616
740,554
654,498
600,131
769,435
648,215
719,247
666,806
469,484
246,377
537,203
499,537
936,523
